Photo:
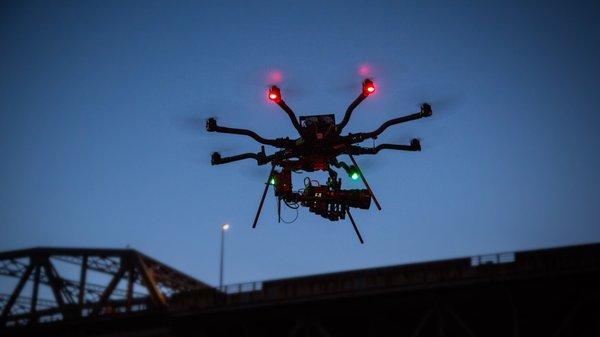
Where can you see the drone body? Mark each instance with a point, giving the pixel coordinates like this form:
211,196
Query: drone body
317,148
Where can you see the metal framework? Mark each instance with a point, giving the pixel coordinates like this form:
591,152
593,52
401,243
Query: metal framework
319,143
145,284
551,292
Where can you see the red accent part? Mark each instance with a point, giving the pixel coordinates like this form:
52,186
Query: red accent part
368,87
318,166
284,182
274,94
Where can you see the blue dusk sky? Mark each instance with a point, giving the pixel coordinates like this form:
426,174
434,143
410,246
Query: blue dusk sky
99,100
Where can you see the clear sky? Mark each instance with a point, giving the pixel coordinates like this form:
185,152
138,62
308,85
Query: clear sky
94,151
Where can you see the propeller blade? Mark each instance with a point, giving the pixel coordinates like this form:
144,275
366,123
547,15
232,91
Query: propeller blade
349,76
292,85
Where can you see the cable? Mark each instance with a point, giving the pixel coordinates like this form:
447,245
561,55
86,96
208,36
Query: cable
309,182
293,206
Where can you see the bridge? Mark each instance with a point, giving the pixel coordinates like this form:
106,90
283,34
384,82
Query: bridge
122,292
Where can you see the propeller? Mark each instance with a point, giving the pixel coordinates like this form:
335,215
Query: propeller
190,124
253,172
445,100
291,85
348,77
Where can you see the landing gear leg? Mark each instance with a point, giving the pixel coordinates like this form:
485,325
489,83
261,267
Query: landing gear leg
355,228
262,199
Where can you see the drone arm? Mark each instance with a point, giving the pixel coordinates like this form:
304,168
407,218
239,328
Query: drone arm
425,112
260,158
384,126
415,145
211,126
349,111
291,114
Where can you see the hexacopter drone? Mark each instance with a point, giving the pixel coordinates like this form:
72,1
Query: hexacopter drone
319,144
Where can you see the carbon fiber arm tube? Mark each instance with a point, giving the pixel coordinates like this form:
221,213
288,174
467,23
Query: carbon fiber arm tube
359,137
399,120
211,126
216,158
415,145
349,111
291,114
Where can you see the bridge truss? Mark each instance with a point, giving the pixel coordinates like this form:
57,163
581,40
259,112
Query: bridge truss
547,292
71,283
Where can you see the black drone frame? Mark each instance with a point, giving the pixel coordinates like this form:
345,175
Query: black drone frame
345,144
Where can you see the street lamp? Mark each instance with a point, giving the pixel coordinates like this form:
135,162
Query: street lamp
224,228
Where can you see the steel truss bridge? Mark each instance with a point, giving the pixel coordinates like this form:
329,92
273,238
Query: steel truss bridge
121,292
76,299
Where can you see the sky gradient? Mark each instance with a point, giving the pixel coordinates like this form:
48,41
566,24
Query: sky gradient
95,150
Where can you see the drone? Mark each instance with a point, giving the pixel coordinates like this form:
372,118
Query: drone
319,144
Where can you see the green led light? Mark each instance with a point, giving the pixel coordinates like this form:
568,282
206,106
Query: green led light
272,181
354,175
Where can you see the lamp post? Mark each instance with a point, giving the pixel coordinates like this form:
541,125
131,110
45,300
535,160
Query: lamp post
224,228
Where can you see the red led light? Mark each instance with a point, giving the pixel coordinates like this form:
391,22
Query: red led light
368,87
274,94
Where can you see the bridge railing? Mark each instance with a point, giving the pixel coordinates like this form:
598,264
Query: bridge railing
481,260
379,279
412,276
238,288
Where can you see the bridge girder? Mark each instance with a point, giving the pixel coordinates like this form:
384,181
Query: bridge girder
81,298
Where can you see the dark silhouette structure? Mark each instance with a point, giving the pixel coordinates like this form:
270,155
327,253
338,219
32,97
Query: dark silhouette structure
79,298
550,292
